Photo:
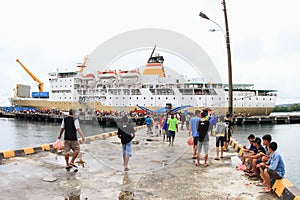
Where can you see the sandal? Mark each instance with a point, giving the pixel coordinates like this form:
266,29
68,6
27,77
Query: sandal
251,175
73,165
197,164
265,190
217,158
260,184
206,165
68,167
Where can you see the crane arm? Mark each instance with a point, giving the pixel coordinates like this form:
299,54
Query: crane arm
40,84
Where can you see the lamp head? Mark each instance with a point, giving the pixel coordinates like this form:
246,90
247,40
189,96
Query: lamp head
201,14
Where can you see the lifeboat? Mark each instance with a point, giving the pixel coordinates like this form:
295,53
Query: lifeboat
128,74
88,77
107,74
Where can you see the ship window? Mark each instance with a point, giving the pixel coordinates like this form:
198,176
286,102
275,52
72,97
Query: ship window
242,98
137,98
109,97
151,97
199,98
158,97
174,98
257,99
129,97
182,98
212,98
144,97
263,99
234,98
220,98
270,99
249,98
123,97
116,97
191,98
166,97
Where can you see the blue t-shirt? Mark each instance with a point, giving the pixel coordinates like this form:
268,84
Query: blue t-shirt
276,163
148,121
194,123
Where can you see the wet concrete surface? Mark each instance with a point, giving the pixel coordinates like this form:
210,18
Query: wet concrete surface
157,171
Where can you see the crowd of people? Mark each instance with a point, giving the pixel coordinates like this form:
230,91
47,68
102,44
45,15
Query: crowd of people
263,161
261,158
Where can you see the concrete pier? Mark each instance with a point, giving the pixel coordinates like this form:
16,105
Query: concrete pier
157,171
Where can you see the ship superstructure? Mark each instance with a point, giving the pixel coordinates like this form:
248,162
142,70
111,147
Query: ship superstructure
151,86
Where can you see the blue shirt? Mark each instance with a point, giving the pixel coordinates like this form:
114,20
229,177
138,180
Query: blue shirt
276,163
251,147
194,123
148,120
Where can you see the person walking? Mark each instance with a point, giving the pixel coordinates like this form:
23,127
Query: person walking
126,133
149,123
172,128
193,129
70,126
203,141
220,131
165,127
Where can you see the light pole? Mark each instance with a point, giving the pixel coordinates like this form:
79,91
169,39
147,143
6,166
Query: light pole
227,40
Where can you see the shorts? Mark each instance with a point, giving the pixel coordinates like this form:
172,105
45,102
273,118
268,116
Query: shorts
219,140
69,144
273,174
205,146
258,160
196,139
171,134
227,137
127,149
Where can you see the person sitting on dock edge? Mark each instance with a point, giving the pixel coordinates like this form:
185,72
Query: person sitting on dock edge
273,169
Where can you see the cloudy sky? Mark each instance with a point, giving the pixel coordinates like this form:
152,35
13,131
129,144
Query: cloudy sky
46,35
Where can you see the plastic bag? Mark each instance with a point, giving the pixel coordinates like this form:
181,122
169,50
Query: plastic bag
58,145
190,141
241,167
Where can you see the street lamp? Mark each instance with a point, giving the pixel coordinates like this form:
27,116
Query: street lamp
227,40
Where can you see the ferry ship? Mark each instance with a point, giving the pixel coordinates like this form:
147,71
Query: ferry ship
152,86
